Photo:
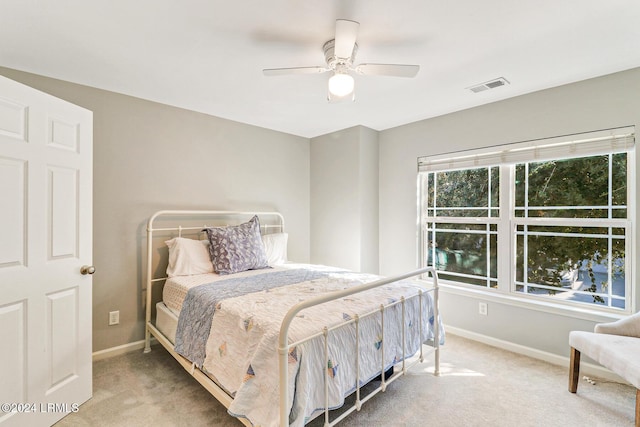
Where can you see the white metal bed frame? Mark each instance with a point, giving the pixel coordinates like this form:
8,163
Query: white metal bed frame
283,345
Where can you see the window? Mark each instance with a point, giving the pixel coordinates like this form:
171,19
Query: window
548,219
461,214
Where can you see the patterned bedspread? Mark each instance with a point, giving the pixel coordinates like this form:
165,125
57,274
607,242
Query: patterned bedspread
199,305
241,348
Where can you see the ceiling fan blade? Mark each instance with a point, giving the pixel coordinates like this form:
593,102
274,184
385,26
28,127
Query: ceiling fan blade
346,34
394,70
294,70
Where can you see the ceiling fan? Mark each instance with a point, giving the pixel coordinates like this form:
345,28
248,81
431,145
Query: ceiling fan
340,54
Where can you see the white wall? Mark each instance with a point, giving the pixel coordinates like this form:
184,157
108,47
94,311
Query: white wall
344,199
606,102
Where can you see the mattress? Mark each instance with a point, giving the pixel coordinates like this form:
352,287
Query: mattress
166,321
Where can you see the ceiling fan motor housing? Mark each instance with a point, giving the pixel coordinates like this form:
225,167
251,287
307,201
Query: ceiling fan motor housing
333,61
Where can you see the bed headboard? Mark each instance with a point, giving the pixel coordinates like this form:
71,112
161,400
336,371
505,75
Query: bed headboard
166,224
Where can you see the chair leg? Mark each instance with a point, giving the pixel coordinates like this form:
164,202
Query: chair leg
574,370
638,407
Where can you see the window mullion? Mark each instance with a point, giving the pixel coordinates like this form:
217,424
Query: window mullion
610,187
610,261
506,263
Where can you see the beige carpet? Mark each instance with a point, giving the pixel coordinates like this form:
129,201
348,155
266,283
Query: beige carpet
479,386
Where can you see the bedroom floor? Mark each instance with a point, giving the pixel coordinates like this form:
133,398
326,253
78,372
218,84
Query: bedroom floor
479,386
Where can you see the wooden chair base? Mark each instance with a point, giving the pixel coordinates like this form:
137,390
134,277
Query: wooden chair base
574,373
574,370
638,407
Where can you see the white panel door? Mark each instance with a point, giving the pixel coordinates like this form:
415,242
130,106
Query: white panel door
46,151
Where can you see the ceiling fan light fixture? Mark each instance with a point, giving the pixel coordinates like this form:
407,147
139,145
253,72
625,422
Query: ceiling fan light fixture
341,84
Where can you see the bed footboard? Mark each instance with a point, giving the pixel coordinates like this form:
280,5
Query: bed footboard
284,346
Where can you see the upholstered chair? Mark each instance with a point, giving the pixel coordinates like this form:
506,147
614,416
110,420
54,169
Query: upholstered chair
614,345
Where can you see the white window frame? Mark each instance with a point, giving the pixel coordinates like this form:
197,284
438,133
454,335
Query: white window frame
506,156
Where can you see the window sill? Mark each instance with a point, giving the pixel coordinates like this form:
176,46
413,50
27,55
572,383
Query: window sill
584,313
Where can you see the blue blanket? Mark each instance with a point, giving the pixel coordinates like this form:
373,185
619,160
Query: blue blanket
194,323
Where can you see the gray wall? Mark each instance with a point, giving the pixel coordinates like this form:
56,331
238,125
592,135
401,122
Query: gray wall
601,103
344,199
149,156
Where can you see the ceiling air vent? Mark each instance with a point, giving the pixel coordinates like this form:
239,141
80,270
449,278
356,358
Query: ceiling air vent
492,84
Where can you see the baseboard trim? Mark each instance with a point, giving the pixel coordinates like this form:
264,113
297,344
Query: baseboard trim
120,349
585,368
588,369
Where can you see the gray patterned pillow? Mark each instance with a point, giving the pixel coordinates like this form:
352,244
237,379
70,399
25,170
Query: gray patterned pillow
237,248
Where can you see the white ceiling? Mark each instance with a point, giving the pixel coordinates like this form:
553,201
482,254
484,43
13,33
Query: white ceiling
208,55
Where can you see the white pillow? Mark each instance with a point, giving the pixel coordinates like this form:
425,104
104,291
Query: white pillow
275,245
187,257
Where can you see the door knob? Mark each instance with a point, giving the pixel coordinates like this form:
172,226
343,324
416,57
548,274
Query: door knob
87,269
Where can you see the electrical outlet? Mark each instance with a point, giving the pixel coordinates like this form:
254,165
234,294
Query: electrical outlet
114,317
483,308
